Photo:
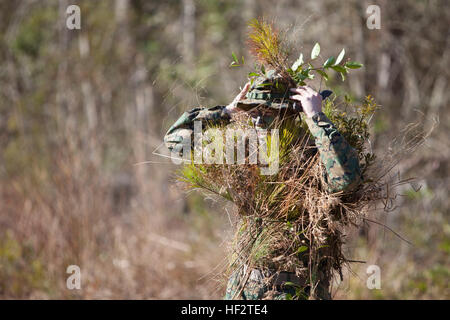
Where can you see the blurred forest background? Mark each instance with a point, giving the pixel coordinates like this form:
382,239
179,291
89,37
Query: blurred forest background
80,109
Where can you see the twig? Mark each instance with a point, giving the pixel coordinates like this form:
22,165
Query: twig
390,229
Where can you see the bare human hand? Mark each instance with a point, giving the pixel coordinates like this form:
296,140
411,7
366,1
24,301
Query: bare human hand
310,100
232,107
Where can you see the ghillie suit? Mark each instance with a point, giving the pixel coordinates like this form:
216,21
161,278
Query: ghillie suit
288,240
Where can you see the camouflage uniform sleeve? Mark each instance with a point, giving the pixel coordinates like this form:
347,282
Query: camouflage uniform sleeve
338,157
184,126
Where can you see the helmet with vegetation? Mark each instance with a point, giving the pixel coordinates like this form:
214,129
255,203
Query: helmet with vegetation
268,91
271,92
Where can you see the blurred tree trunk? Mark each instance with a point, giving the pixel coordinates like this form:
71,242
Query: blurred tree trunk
358,22
249,11
188,32
62,111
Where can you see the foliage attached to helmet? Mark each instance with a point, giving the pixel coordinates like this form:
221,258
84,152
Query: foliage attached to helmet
272,76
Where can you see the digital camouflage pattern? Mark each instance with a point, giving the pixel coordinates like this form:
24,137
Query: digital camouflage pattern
183,128
253,286
342,172
244,287
338,157
270,92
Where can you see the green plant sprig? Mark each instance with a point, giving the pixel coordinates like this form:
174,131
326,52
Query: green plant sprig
302,70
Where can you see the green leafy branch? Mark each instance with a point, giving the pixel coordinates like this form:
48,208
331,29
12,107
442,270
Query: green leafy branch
302,70
235,62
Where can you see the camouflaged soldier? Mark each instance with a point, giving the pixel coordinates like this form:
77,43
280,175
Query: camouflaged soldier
266,100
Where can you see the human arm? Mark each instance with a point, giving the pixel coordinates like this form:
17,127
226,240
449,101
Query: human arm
182,130
337,156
